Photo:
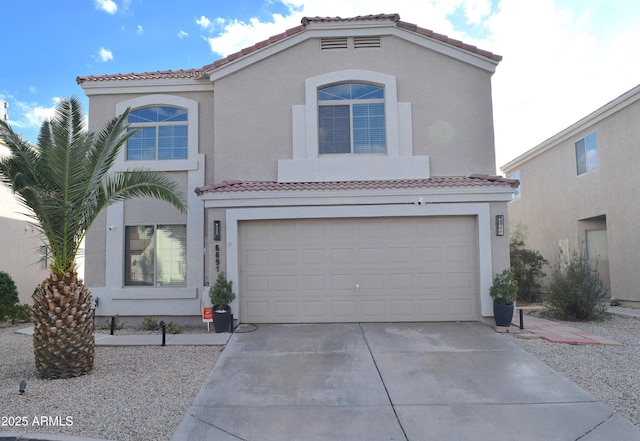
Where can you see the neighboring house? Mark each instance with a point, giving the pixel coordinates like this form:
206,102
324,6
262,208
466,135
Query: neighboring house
577,190
339,171
24,255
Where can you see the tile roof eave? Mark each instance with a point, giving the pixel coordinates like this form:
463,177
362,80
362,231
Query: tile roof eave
472,181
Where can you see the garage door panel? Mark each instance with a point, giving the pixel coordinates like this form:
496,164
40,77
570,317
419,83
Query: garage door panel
379,269
312,257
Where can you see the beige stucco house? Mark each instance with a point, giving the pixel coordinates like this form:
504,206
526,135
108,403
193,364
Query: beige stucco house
24,254
339,171
577,188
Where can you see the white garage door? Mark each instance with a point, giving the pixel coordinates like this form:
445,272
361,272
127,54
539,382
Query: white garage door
358,270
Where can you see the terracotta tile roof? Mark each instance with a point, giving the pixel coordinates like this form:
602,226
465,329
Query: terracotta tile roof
161,74
196,73
476,180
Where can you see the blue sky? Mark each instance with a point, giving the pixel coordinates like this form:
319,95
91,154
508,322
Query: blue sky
562,58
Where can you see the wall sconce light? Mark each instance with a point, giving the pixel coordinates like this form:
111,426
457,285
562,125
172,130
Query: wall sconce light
216,230
500,225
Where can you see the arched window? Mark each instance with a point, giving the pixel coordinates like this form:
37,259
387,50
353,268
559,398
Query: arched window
161,133
351,119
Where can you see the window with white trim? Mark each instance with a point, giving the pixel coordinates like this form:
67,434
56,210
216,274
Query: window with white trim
155,255
587,154
161,133
351,119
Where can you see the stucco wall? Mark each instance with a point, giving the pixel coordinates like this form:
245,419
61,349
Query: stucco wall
451,107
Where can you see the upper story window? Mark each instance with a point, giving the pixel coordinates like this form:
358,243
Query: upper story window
161,133
516,193
587,154
351,119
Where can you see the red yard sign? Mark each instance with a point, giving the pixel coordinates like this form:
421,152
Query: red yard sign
207,314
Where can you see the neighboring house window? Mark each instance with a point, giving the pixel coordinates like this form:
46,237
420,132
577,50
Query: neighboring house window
587,154
155,255
516,194
351,119
161,133
43,261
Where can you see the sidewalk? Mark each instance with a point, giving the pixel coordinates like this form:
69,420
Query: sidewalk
557,332
208,339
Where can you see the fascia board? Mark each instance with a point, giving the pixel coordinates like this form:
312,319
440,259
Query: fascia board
145,86
325,198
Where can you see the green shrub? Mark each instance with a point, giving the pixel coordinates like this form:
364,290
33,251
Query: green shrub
172,328
527,267
150,324
221,293
8,296
8,290
576,292
504,288
106,324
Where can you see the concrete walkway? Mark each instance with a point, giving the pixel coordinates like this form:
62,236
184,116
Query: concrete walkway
557,332
385,381
208,339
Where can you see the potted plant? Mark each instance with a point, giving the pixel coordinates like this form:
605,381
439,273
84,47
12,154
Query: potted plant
221,294
504,292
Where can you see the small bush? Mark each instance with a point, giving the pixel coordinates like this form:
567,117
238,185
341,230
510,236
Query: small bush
8,297
221,293
504,288
106,324
21,313
172,328
150,324
576,292
8,290
527,266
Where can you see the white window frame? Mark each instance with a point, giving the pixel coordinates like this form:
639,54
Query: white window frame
156,126
351,103
155,257
191,163
587,164
387,82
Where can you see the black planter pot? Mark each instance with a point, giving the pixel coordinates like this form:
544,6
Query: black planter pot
221,318
503,314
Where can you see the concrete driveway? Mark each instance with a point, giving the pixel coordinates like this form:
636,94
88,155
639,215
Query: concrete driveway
370,382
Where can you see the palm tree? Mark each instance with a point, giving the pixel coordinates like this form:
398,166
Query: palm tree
65,183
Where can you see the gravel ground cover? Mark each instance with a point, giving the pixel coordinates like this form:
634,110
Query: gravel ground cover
610,373
134,393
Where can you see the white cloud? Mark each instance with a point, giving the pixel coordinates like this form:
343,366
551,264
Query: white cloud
140,30
203,22
182,35
33,89
26,115
108,6
104,55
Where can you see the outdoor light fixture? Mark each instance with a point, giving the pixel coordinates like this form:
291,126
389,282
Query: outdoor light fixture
500,225
216,230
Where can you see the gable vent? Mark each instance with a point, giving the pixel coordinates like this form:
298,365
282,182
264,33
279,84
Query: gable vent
365,42
333,43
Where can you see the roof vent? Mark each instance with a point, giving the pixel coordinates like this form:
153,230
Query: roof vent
366,42
333,43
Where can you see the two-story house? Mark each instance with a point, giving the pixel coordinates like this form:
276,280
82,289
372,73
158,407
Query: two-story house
577,192
339,171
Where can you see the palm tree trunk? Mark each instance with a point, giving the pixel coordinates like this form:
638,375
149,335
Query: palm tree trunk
63,340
